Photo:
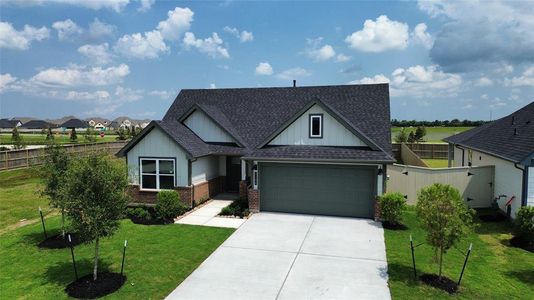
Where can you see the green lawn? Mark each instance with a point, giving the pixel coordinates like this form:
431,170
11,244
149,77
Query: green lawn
436,163
19,196
494,271
40,139
158,258
433,134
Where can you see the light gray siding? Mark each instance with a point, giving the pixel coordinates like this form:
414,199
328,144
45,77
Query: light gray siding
204,169
206,129
530,190
157,144
334,133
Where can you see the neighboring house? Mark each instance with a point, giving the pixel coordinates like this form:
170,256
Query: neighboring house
9,124
99,123
316,150
37,124
507,144
124,122
74,124
114,125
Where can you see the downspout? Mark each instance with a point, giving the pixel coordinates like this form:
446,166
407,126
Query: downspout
523,184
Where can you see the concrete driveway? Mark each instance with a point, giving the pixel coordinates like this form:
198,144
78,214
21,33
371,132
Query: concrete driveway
288,256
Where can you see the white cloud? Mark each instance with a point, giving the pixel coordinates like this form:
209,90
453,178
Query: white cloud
128,94
371,80
212,86
149,45
264,68
496,103
342,57
178,21
116,5
211,46
99,29
484,96
380,35
21,40
98,96
5,80
484,81
243,36
66,29
294,73
166,95
421,36
146,5
315,51
526,79
97,54
75,75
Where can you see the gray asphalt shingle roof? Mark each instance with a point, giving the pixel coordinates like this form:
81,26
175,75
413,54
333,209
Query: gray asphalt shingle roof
252,115
511,137
74,123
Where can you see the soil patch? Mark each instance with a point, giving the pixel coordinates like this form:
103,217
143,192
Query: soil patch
392,226
521,243
58,242
144,221
86,288
444,283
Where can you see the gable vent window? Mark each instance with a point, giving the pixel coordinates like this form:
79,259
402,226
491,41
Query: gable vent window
316,126
157,174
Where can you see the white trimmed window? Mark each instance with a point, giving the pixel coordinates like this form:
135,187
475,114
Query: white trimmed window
157,173
316,126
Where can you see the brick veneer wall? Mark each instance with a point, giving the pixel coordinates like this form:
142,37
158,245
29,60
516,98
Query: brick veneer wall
253,200
243,186
378,213
150,197
206,190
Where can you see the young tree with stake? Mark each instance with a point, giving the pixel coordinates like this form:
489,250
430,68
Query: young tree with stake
96,187
445,217
56,163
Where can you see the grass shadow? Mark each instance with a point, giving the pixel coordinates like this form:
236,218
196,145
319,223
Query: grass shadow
62,273
34,238
493,227
526,276
402,273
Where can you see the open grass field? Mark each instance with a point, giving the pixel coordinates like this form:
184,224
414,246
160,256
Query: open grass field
158,258
40,139
436,163
494,271
433,134
19,196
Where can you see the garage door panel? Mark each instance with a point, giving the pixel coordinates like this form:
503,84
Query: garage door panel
317,189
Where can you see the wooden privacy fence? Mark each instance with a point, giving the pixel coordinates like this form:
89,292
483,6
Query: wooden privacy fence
408,157
474,183
14,159
426,151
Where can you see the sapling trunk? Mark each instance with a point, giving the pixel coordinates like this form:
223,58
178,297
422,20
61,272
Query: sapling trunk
63,223
95,269
440,261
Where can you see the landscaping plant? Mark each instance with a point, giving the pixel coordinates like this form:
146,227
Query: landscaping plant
169,205
49,134
89,136
524,226
96,189
392,206
444,216
55,165
73,135
402,136
16,138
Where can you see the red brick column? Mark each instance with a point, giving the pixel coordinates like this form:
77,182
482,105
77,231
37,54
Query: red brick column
138,196
243,189
186,194
253,200
377,210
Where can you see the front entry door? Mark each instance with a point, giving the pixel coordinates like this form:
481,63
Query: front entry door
233,173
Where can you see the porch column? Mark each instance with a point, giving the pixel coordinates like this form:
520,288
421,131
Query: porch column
243,170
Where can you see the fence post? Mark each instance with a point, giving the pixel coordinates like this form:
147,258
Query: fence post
27,158
7,161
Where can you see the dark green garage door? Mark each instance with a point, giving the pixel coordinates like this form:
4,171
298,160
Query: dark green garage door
317,189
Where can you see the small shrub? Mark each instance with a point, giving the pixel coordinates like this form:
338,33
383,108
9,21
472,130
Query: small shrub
227,211
169,205
391,207
139,213
524,224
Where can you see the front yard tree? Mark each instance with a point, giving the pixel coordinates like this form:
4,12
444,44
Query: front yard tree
56,163
89,136
16,138
445,217
96,187
73,135
402,136
420,133
49,134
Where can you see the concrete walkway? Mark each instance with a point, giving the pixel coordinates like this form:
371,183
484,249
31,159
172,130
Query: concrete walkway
207,214
288,256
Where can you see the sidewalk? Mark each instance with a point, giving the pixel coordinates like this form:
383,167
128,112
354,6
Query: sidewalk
207,214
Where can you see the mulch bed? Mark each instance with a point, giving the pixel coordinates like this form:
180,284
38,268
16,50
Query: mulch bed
444,283
496,217
86,288
392,226
142,221
521,243
58,242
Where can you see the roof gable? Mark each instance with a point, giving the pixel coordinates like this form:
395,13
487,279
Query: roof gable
205,127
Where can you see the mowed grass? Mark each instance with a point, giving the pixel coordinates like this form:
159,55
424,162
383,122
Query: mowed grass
20,196
436,163
495,270
433,134
40,139
158,259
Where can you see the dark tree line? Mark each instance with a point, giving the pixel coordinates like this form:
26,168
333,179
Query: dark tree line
437,123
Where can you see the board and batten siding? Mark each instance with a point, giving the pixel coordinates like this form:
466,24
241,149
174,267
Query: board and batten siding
530,190
158,145
206,129
334,133
508,179
204,169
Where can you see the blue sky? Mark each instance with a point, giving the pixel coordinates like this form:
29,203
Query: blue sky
109,58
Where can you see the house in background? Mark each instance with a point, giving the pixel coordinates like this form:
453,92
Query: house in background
123,122
507,144
316,150
76,124
9,123
37,125
99,124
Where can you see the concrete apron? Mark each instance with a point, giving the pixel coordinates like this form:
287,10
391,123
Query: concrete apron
207,215
288,256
